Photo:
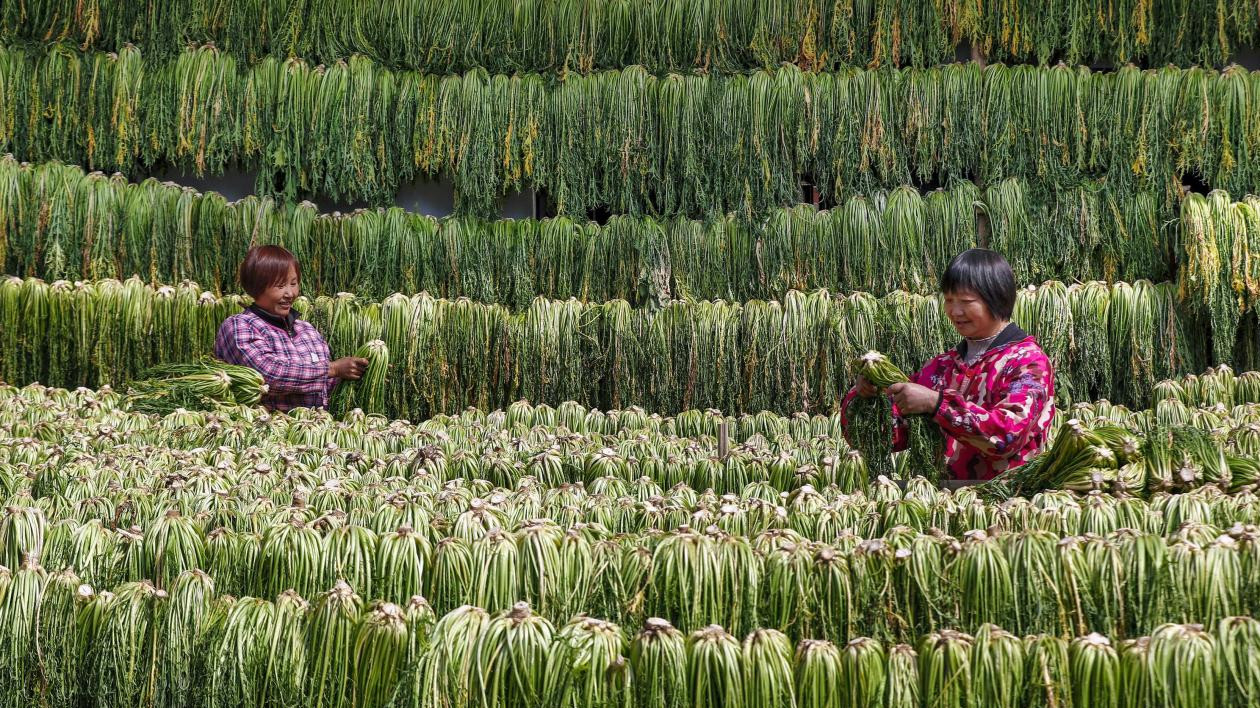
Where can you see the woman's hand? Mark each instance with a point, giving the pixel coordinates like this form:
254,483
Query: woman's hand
913,399
350,368
864,388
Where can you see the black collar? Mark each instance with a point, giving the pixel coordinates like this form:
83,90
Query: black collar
284,323
1009,334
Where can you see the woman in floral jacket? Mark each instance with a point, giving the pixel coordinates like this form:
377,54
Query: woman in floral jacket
993,394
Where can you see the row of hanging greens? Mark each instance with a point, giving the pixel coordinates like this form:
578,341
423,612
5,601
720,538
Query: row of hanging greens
627,140
537,35
1219,264
57,222
784,356
133,645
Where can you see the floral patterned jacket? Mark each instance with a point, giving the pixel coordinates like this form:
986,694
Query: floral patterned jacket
995,413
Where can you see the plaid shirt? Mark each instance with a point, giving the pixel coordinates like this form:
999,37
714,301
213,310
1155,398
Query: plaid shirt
295,366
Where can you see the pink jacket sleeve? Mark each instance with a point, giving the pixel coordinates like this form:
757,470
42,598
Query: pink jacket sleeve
1022,395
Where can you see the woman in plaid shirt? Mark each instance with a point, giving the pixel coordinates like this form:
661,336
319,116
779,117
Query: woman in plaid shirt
291,355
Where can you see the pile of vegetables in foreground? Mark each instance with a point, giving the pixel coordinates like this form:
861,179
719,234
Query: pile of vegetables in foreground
570,556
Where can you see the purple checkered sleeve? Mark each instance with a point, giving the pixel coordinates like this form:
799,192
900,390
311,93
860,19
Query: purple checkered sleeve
295,368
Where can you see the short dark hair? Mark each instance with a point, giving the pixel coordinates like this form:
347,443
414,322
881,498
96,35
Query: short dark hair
265,266
985,273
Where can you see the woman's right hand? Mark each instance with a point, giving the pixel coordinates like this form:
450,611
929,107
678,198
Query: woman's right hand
865,389
349,368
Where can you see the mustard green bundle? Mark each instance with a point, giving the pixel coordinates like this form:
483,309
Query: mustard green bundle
368,393
878,369
205,385
871,426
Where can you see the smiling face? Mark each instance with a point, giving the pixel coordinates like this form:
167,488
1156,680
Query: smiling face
970,315
279,296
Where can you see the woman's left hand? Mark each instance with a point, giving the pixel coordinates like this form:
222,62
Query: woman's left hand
913,399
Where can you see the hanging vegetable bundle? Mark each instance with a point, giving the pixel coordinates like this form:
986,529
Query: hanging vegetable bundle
720,36
60,222
449,354
636,142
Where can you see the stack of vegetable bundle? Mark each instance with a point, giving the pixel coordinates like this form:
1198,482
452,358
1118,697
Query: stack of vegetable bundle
1081,458
342,650
391,510
1146,456
777,579
611,452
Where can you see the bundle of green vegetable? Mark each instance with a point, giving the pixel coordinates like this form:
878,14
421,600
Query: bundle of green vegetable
204,385
368,393
1080,458
871,426
871,418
